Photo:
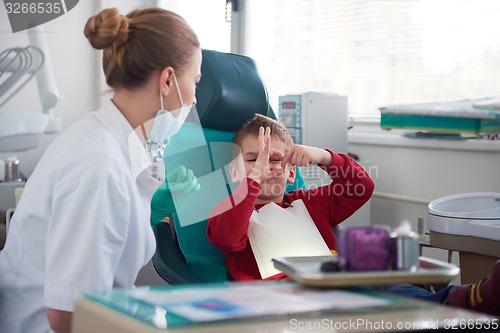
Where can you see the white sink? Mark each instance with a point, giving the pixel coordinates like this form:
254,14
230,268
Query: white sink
470,214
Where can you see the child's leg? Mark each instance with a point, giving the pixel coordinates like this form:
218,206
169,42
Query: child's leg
418,292
483,296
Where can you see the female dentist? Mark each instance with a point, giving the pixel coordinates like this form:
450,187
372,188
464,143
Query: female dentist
82,223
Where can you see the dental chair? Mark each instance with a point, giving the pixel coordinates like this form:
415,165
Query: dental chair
229,94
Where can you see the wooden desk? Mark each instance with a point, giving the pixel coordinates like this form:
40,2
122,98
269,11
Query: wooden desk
477,255
91,317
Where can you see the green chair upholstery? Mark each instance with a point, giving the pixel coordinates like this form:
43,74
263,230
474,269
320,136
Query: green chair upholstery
229,94
230,91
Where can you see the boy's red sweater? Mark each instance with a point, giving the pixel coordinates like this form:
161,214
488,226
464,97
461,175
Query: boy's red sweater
328,205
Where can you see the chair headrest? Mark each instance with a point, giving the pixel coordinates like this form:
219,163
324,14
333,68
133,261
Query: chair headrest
230,92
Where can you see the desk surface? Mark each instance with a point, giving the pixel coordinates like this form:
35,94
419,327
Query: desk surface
90,316
461,243
477,255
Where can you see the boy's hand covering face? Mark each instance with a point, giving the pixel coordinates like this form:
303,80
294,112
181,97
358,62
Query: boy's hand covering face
263,169
300,155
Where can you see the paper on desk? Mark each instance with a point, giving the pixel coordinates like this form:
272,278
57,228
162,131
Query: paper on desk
279,232
241,300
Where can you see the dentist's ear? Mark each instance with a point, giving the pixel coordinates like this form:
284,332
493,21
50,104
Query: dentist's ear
166,80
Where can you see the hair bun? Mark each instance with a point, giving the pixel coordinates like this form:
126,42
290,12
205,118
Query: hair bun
107,28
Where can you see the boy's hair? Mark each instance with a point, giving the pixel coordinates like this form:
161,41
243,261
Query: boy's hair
278,130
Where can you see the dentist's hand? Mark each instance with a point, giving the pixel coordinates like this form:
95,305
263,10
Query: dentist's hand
182,179
182,182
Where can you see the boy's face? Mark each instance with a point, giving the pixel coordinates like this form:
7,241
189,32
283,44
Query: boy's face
273,188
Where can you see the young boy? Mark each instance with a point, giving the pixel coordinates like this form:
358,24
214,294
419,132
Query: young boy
270,159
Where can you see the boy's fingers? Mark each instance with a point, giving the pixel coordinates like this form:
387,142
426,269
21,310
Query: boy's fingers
277,153
261,138
276,172
267,138
267,144
286,158
296,159
286,155
264,154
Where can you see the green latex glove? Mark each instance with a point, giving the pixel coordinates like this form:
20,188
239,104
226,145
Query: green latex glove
182,181
178,185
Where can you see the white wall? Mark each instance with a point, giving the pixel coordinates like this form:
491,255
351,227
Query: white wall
424,173
76,64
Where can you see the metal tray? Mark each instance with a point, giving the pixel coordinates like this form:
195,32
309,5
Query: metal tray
306,271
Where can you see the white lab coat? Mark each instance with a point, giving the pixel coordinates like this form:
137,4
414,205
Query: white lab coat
82,223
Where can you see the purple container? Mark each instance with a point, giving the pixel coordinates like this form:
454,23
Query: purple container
365,248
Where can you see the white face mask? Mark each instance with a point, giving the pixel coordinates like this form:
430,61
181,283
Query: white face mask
167,123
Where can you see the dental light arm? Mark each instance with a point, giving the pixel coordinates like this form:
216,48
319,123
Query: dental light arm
46,82
22,130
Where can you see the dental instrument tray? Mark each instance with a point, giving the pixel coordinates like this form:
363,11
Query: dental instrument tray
307,271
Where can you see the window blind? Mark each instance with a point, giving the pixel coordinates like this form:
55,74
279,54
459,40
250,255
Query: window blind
206,18
377,52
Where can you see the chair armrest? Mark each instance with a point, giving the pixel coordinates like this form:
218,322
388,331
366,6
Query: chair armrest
168,260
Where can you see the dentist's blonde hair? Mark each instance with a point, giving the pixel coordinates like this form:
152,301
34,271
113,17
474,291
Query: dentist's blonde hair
143,41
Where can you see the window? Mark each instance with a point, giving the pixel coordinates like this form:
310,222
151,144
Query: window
206,18
377,52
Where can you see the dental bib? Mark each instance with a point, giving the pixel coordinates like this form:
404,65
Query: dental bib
283,232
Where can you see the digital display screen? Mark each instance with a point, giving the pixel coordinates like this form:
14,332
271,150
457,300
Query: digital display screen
288,105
